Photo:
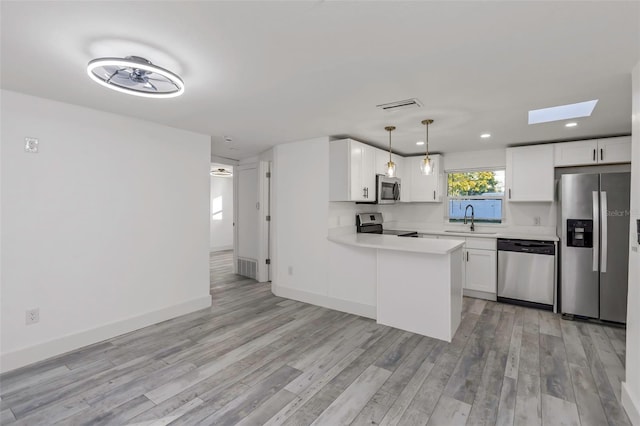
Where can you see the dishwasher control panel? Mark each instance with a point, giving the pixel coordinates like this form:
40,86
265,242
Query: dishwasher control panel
527,246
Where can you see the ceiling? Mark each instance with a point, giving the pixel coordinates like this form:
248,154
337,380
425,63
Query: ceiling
266,73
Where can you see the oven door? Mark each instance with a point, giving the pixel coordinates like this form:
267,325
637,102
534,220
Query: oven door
388,190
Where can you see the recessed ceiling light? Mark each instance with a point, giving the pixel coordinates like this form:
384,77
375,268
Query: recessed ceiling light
562,112
420,143
485,135
572,124
135,76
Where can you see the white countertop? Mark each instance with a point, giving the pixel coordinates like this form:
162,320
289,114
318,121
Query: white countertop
393,242
481,234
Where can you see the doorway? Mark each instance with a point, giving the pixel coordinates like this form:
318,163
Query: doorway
222,203
253,219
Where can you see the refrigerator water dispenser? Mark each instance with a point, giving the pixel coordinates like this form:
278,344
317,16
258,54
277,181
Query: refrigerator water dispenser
579,233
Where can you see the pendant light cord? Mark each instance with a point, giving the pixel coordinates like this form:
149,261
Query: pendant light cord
390,129
427,144
426,122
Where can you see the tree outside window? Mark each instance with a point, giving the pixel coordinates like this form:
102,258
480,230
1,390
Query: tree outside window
483,189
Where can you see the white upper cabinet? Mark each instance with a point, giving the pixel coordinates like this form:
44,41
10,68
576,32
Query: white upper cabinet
529,175
382,158
352,174
422,188
576,153
593,151
614,150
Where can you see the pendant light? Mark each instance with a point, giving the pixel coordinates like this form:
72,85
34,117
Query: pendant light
391,166
425,165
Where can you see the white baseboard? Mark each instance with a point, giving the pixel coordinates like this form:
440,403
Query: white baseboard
479,294
220,248
29,355
631,404
355,308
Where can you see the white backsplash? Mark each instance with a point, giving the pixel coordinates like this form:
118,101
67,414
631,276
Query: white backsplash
520,217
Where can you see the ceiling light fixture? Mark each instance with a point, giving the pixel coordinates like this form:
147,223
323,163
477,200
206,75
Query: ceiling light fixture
136,76
485,135
572,124
221,172
391,166
420,143
425,166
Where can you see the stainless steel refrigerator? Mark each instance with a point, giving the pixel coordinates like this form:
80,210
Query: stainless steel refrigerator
594,255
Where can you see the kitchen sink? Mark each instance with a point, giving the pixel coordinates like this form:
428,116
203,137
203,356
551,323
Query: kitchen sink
471,232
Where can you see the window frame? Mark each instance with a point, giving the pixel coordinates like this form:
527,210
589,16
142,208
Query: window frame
485,221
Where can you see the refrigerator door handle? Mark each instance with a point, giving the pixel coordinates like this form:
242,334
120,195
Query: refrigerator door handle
603,219
596,230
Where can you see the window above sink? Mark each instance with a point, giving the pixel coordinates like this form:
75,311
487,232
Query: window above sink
482,189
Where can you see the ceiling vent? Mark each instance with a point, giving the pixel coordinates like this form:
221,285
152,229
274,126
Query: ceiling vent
398,105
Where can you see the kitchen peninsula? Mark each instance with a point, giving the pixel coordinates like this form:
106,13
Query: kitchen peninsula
418,281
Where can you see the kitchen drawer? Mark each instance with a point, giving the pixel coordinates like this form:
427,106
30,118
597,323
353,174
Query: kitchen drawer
481,243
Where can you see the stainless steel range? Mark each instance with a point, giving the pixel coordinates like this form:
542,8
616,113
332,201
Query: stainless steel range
371,223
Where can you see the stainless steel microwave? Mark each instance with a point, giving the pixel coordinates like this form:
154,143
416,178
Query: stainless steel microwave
387,189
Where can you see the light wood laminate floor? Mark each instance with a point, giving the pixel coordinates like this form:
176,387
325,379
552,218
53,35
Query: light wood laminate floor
255,359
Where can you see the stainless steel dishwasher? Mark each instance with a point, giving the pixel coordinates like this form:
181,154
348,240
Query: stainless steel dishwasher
526,272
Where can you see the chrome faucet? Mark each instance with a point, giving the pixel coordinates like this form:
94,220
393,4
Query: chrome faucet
473,227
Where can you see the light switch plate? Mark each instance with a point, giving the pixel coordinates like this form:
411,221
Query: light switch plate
31,145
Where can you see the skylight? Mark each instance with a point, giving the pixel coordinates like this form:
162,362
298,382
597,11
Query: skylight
562,112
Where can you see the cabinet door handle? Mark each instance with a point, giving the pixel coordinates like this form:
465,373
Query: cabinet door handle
509,193
434,195
594,155
601,154
364,192
467,256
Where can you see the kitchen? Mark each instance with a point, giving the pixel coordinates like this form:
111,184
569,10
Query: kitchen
530,194
116,203
323,270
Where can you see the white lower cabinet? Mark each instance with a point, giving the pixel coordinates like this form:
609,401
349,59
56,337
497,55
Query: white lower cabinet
480,268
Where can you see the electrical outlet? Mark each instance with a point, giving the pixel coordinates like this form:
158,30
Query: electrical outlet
31,145
536,220
32,316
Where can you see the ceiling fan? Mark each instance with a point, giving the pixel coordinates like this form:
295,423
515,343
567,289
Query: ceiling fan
135,75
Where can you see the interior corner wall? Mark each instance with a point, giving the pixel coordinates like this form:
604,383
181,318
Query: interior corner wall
104,230
221,227
300,214
631,385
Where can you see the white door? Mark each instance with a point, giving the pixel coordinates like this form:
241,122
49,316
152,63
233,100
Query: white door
248,209
264,223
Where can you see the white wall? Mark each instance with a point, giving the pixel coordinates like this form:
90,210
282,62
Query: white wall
631,386
104,230
221,226
301,210
306,266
